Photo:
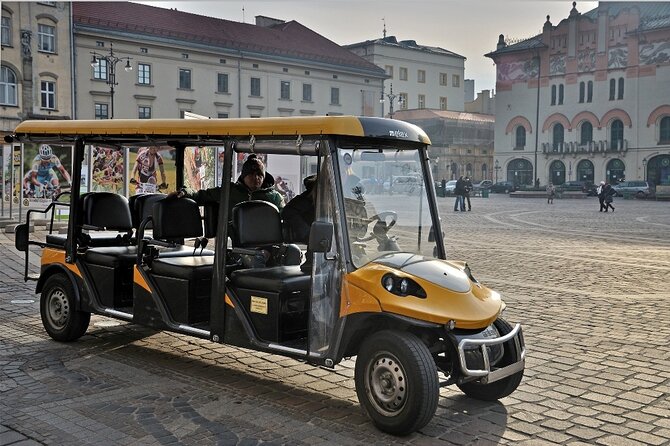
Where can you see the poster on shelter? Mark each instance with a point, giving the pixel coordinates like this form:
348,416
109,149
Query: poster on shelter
153,169
286,172
6,173
45,174
199,167
107,169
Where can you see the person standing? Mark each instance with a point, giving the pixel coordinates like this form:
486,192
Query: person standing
466,192
551,193
601,195
608,193
459,191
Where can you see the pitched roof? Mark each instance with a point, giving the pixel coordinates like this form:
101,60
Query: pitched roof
283,40
653,15
406,44
428,113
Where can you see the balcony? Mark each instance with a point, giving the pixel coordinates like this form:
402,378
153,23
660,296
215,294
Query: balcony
591,148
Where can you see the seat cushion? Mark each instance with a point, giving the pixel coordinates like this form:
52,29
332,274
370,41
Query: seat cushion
277,279
111,255
189,267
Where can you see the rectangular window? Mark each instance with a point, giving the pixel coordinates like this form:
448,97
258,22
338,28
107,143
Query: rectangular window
422,101
334,96
285,90
222,83
589,91
307,92
185,78
455,80
46,38
255,86
144,112
582,92
144,74
444,79
101,111
6,31
402,74
443,103
48,94
421,76
100,70
402,102
389,70
222,115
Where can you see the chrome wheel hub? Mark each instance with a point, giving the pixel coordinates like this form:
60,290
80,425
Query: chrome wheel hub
58,309
386,384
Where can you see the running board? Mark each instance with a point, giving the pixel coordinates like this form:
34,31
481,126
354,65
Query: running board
295,351
119,314
194,331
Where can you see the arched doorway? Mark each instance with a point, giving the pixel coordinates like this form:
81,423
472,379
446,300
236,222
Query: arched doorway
520,172
616,171
658,170
585,171
557,172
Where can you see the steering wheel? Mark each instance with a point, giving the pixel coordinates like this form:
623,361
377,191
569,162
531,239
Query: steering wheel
381,227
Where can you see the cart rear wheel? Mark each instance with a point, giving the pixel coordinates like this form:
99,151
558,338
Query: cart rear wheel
504,387
60,317
396,382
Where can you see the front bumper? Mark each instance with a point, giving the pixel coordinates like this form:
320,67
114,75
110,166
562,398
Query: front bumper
485,374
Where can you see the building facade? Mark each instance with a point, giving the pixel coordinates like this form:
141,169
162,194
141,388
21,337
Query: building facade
418,76
180,62
35,63
588,99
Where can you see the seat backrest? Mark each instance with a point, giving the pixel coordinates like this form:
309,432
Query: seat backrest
106,210
142,207
175,219
256,223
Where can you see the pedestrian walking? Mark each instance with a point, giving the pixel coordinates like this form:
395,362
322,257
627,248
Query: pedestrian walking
601,195
459,191
551,193
609,194
466,192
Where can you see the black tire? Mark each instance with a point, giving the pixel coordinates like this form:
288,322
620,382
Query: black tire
58,310
640,194
396,382
498,389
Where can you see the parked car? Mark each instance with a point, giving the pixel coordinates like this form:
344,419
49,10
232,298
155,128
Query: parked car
503,187
450,187
638,188
482,185
578,186
405,184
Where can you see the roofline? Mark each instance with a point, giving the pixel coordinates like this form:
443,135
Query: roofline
413,48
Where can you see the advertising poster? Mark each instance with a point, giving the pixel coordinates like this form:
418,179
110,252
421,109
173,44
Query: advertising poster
6,174
153,169
107,170
199,167
286,171
46,172
220,158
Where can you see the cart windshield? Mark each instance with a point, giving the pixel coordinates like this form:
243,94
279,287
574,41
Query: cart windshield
385,203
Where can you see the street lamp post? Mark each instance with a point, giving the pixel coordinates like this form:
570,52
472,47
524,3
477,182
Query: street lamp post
110,60
644,169
497,168
391,97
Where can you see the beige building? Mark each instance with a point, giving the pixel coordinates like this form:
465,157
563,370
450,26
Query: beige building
182,62
35,63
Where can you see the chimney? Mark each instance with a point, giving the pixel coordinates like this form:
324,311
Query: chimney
501,42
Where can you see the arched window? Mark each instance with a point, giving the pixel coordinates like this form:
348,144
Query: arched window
468,170
586,133
553,95
615,171
560,94
582,91
620,94
558,135
520,171
616,134
664,136
7,86
557,172
585,171
612,89
589,92
485,171
520,142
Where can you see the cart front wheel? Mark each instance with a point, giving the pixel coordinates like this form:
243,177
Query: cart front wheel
396,382
61,320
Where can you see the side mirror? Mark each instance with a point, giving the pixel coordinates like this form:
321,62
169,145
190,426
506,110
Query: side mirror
21,235
320,236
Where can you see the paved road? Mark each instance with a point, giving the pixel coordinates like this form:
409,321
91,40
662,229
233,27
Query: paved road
591,290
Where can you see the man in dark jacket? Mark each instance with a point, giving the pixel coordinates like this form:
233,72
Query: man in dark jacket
254,183
299,213
459,191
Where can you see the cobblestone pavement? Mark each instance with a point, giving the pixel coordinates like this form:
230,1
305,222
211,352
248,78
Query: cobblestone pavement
591,290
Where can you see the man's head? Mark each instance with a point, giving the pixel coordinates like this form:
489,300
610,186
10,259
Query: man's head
253,172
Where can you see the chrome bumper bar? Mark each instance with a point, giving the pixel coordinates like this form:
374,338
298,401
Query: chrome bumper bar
488,376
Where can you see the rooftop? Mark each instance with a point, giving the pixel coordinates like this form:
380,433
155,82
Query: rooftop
392,41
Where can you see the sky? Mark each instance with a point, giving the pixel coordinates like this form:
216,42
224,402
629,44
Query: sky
467,27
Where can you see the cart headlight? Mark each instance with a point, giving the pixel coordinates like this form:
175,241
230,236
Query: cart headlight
402,286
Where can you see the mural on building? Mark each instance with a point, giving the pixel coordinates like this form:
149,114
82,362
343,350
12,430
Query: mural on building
518,71
557,65
586,60
655,53
617,58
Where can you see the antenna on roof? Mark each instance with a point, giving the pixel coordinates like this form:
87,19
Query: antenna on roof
384,20
243,14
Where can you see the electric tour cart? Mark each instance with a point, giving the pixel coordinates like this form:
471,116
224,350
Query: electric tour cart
380,287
